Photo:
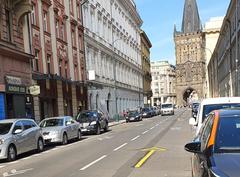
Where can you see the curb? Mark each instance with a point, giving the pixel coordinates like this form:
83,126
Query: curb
112,124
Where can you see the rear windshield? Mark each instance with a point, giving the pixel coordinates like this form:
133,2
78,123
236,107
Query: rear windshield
133,113
145,109
228,136
209,108
5,128
87,116
167,105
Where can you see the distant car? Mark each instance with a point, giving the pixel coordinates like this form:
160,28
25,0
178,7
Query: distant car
133,116
167,109
208,105
147,112
195,107
60,129
216,149
93,121
157,110
18,136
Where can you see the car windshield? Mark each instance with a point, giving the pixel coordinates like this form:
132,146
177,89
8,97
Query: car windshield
228,136
209,108
87,116
133,113
167,105
5,128
52,123
145,109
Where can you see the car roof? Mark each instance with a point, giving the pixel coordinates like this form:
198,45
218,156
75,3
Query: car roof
13,120
60,117
220,100
229,112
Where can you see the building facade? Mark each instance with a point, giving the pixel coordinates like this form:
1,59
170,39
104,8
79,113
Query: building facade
58,66
15,57
223,68
163,83
211,32
190,60
113,55
147,78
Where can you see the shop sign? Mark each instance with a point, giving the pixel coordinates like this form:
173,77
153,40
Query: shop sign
16,89
13,80
34,90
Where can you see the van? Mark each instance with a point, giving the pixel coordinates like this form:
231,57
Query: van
167,109
208,105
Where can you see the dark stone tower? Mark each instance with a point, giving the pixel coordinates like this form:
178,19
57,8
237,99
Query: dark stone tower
190,62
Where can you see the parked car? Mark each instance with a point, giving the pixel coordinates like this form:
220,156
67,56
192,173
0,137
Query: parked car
18,136
147,112
157,110
167,109
60,129
195,106
216,149
93,121
133,116
208,105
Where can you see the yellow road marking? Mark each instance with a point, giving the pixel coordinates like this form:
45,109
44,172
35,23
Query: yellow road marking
144,159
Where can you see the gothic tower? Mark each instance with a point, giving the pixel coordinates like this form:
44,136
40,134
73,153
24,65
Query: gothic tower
190,61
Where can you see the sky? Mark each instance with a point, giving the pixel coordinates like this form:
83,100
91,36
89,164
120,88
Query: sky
159,17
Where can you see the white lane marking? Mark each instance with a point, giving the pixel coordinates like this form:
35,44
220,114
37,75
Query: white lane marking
45,152
145,132
14,172
92,163
152,128
26,158
135,138
14,162
36,155
120,147
2,166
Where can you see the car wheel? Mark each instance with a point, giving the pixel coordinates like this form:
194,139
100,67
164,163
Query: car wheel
106,127
64,139
79,137
98,130
12,153
40,145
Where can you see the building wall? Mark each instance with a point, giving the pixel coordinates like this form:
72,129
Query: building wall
57,40
163,82
112,42
224,64
147,79
211,31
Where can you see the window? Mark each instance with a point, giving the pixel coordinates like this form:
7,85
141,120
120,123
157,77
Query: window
33,14
18,126
66,69
28,124
57,28
45,21
80,42
49,64
76,71
73,37
35,62
60,67
8,25
62,31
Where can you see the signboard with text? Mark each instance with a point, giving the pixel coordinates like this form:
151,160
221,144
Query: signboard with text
16,89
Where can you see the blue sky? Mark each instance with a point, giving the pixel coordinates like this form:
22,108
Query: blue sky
159,17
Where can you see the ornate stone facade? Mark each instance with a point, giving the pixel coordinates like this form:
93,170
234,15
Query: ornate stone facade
190,61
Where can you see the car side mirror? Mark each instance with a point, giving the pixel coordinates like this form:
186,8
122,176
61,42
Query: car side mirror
68,123
192,121
194,147
17,131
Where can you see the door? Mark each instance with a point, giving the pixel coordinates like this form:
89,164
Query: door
19,106
19,139
68,127
101,120
200,160
75,127
30,131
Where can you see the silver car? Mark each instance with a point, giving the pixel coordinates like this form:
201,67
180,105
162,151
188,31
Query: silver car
18,136
60,129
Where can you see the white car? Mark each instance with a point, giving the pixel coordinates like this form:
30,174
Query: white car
167,109
208,105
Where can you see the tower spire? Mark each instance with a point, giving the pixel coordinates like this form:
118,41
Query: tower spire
191,20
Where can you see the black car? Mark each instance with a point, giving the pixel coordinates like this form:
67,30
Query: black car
195,109
133,116
217,146
147,112
92,121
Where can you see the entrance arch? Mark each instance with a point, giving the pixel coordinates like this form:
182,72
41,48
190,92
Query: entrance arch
189,96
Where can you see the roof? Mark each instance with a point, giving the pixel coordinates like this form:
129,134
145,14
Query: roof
220,100
13,120
229,112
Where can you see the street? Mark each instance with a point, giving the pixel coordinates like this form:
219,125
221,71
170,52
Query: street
115,153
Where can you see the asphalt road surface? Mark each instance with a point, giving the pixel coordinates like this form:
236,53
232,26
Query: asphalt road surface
150,148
